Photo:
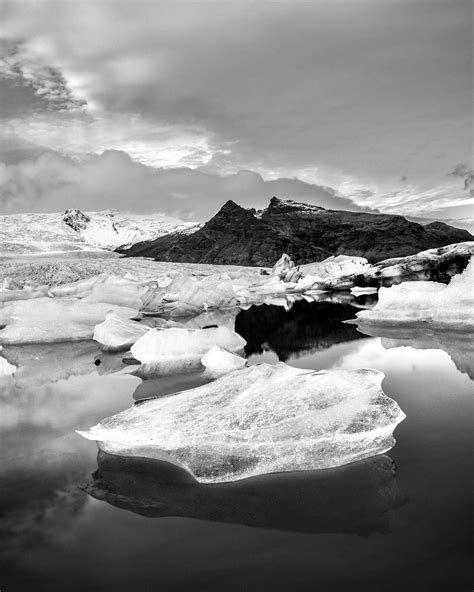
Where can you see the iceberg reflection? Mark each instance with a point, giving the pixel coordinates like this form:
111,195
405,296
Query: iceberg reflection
354,499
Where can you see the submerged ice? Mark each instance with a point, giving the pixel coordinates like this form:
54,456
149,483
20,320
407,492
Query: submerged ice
260,419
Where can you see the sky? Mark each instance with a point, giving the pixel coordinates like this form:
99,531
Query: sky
178,106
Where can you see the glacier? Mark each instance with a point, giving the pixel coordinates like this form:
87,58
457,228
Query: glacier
431,303
260,419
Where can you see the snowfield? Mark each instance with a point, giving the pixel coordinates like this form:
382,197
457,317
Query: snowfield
74,230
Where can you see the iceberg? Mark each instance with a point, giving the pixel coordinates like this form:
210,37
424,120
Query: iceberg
438,305
117,333
334,273
48,320
438,265
25,293
285,270
190,295
166,351
219,361
261,419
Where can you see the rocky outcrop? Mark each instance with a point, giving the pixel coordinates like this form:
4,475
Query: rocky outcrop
305,232
76,219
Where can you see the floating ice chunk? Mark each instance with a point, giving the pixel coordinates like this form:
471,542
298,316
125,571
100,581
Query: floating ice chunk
167,351
334,273
111,289
260,419
117,333
78,289
442,306
48,320
26,293
439,264
119,291
219,361
285,270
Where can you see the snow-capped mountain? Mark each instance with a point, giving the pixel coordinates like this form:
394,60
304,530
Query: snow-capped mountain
74,230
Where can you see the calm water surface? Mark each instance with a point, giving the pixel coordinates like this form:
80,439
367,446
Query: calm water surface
360,527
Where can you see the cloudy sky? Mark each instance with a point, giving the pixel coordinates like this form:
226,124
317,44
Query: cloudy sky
178,106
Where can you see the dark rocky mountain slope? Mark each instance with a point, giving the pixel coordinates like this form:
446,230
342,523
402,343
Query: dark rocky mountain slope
307,233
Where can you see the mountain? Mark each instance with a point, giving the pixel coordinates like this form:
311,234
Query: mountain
74,230
307,233
234,236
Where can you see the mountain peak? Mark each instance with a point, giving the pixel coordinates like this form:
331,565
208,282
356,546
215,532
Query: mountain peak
289,205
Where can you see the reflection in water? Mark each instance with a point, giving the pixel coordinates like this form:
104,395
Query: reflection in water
458,345
355,499
45,363
306,327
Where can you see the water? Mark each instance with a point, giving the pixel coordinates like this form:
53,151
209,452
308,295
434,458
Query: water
359,527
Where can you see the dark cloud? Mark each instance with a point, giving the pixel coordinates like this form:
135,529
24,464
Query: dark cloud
53,182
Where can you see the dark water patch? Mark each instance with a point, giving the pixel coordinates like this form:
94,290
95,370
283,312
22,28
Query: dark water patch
306,327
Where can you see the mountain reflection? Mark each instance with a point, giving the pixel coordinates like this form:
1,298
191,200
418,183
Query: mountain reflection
354,499
306,326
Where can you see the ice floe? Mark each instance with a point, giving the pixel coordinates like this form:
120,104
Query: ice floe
165,351
261,419
219,361
439,305
118,333
49,319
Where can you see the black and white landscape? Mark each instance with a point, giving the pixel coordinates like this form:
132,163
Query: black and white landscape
237,296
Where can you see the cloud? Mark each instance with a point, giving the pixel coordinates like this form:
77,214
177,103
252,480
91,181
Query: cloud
374,90
52,182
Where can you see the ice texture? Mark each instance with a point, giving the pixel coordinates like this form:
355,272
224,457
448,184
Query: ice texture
47,320
219,361
118,333
439,305
261,419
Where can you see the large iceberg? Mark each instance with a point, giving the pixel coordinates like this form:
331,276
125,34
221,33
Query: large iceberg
261,419
165,351
439,305
47,320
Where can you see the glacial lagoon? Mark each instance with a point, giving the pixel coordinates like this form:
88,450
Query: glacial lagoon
400,520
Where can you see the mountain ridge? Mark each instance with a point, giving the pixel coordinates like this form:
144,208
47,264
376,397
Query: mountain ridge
240,236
